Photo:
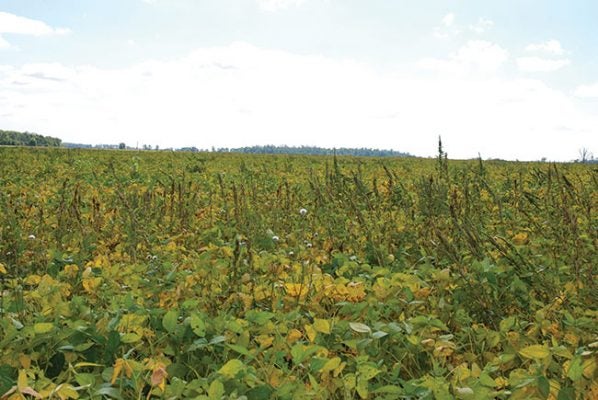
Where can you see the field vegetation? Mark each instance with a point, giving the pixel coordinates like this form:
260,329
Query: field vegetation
225,276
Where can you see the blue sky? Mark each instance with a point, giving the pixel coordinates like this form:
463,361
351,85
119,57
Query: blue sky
509,79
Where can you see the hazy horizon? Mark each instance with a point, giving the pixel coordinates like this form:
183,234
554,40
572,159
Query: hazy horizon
504,80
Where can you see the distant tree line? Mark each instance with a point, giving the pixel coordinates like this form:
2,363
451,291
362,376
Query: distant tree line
77,145
313,150
13,138
268,149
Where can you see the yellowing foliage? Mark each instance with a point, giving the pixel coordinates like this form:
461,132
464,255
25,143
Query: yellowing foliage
204,275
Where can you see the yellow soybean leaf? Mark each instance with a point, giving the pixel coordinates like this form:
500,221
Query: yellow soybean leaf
571,338
46,392
520,238
265,341
43,327
461,372
367,372
362,389
275,378
22,388
589,367
90,285
22,381
231,368
71,270
322,325
293,336
296,289
310,332
216,390
171,246
331,365
130,338
66,391
337,371
476,371
535,352
33,280
3,269
128,365
501,382
118,366
555,387
25,361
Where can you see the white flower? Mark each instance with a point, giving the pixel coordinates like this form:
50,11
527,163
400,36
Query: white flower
31,237
275,238
303,212
353,258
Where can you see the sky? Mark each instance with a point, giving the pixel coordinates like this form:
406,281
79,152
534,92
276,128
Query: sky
510,79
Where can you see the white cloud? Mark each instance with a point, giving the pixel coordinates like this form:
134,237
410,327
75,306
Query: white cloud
587,91
275,5
537,64
476,56
448,20
483,25
243,95
14,24
10,23
449,28
550,47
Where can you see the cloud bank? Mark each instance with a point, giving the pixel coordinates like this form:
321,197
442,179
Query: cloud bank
240,95
17,25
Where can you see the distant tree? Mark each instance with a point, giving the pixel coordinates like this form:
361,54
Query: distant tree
585,155
191,149
122,146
